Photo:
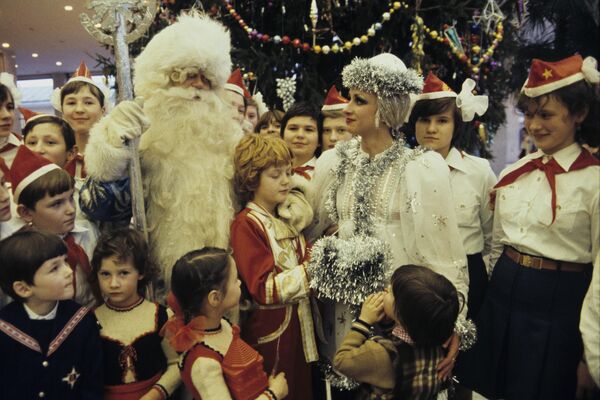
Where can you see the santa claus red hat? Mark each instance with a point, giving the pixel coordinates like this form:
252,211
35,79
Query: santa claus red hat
334,100
81,74
468,103
545,77
26,168
235,83
27,113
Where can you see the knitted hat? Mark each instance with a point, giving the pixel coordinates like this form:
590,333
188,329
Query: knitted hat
236,84
334,101
466,101
545,77
81,74
26,168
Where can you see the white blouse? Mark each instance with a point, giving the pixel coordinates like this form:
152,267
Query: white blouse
523,213
472,180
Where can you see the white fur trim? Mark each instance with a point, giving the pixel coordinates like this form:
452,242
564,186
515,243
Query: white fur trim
193,41
435,95
334,107
103,161
234,88
32,177
551,87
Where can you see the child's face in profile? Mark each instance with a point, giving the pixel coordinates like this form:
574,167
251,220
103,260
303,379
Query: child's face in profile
232,291
48,141
274,186
52,281
389,303
118,282
334,130
54,214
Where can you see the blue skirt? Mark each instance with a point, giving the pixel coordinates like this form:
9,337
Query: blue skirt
529,344
478,281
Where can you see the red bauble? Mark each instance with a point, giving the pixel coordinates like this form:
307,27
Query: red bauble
296,43
265,38
305,47
285,40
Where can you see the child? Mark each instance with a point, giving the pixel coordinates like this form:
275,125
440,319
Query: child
9,141
438,120
334,120
50,345
270,123
51,137
424,305
301,129
270,253
216,364
5,211
546,239
138,363
43,193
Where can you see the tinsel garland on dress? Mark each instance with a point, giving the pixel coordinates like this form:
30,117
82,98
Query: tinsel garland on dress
467,332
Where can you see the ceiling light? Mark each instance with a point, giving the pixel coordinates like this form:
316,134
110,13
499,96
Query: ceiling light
6,45
68,8
34,55
16,65
59,63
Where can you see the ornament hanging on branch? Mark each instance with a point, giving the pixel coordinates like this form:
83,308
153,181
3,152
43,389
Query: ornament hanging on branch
491,16
286,88
418,36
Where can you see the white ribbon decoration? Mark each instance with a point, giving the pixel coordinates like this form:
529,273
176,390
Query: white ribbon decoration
8,80
260,104
589,69
470,104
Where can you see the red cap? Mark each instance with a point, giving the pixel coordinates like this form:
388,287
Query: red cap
82,71
435,88
27,113
236,84
334,101
545,77
26,168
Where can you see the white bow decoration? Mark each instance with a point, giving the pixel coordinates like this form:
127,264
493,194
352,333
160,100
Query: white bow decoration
260,104
470,104
8,80
589,69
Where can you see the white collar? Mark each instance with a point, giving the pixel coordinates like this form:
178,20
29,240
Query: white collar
564,157
455,159
32,314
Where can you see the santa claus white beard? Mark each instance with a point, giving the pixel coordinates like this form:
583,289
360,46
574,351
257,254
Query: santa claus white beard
187,162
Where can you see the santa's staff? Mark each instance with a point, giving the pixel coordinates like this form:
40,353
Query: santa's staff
109,26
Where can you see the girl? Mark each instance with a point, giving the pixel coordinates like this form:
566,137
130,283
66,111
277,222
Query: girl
270,253
388,204
138,363
334,121
403,365
270,123
546,235
301,129
216,364
9,141
438,121
82,103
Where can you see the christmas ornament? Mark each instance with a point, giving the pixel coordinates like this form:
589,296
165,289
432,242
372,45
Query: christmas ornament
286,88
491,16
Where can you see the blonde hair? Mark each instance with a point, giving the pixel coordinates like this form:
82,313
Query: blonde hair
332,113
253,155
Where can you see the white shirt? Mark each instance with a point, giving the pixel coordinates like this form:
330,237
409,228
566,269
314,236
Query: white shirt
590,324
9,154
523,213
472,179
33,315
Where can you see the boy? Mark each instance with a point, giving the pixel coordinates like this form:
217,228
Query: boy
53,138
43,193
50,345
301,129
270,253
334,120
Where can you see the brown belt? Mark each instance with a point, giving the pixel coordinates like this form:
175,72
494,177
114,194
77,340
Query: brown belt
542,263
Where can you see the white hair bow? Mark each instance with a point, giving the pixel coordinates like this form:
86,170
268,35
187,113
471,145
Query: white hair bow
260,104
8,80
470,104
589,69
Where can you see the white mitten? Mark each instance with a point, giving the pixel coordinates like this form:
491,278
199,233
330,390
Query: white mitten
126,122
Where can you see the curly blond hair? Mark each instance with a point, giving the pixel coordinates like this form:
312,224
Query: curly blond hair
253,155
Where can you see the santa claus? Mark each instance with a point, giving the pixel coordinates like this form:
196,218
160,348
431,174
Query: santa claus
186,149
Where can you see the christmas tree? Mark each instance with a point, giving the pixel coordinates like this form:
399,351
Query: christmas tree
309,42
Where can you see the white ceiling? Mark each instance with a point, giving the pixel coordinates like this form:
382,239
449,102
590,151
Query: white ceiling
44,27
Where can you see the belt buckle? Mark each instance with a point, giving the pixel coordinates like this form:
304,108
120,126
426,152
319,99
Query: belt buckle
528,261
